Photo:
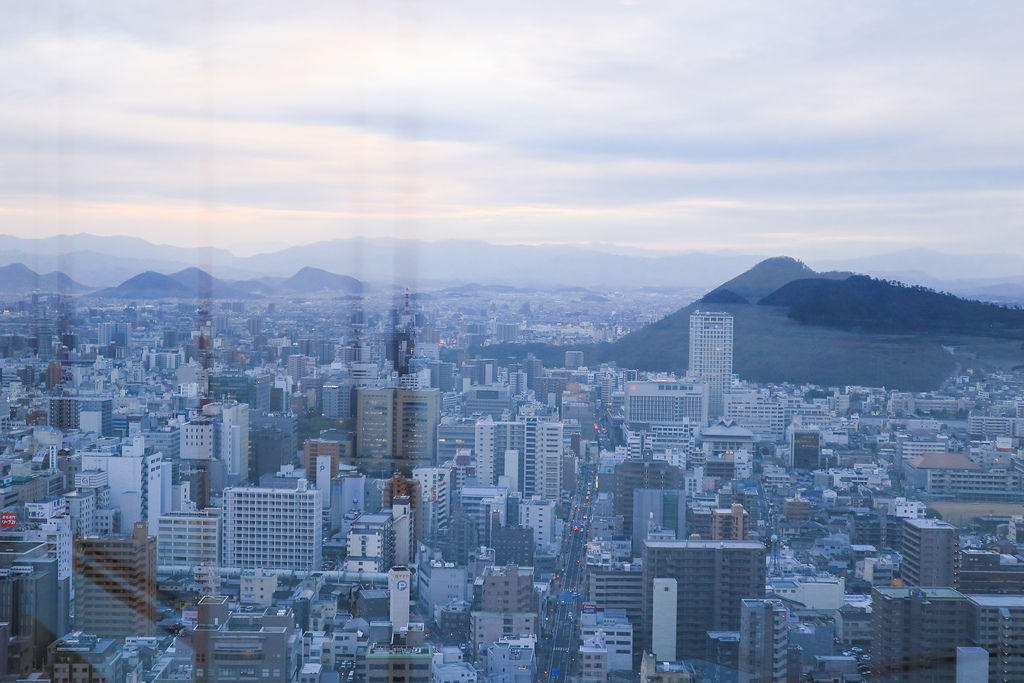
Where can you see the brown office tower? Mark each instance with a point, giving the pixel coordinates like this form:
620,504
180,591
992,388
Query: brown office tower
931,553
115,584
708,580
637,473
729,524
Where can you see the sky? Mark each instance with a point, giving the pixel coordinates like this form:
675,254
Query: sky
820,129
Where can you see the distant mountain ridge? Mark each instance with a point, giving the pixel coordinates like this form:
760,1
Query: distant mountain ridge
311,279
205,286
107,261
147,285
17,278
193,283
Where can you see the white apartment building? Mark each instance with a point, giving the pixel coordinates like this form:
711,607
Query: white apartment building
140,482
539,514
232,436
273,528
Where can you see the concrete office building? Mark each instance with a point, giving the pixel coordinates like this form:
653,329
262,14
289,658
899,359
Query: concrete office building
337,400
512,659
617,632
436,496
386,663
658,509
538,515
139,482
758,412
620,586
634,474
33,604
482,504
197,439
335,445
86,413
664,402
258,645
86,658
711,339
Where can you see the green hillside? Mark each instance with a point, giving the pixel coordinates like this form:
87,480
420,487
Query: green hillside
864,303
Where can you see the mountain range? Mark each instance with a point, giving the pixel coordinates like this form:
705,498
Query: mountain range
823,328
107,261
189,283
17,278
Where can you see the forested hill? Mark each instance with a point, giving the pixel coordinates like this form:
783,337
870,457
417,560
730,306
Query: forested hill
861,303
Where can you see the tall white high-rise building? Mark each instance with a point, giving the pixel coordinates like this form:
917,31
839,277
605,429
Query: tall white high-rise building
436,496
539,444
139,481
539,514
273,528
234,437
711,336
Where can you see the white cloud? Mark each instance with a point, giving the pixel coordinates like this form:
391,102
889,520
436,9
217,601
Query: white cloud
821,126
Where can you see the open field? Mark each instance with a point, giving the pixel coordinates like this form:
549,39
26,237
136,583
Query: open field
960,514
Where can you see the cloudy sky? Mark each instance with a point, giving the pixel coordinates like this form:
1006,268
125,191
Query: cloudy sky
812,128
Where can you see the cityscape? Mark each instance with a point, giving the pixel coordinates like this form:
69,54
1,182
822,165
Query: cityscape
582,342
351,487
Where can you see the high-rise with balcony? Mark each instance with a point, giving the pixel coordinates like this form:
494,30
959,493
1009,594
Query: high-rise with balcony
931,553
711,580
764,640
711,335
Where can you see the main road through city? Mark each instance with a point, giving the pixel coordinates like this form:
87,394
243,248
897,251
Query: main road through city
558,650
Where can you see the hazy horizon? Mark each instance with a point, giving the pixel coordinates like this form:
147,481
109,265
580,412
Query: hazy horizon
247,249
